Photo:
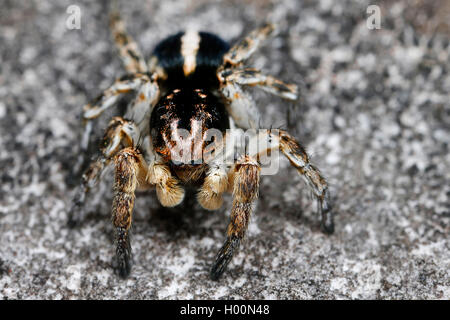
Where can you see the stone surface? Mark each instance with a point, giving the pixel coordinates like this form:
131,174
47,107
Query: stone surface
374,115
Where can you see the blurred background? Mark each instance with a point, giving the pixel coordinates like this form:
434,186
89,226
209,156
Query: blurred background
374,114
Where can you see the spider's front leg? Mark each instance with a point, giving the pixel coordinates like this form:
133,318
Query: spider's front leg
245,192
246,47
254,77
130,173
128,49
138,77
119,133
232,76
298,157
240,105
210,195
148,92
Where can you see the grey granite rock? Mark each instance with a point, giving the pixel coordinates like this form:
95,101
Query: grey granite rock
374,114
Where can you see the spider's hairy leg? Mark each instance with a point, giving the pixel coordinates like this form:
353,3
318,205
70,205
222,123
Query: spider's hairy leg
107,99
130,173
246,47
298,157
240,106
119,133
89,180
168,188
245,192
142,106
254,77
210,195
128,49
147,95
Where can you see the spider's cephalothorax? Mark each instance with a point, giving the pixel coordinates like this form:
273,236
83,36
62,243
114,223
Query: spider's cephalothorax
179,123
191,86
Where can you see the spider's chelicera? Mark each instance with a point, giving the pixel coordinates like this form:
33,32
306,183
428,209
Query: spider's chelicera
175,132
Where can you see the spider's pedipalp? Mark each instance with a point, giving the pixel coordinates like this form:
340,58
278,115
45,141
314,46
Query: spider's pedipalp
246,47
254,77
210,195
168,188
130,173
245,191
128,49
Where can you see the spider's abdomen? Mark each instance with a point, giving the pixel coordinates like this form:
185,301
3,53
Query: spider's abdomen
190,59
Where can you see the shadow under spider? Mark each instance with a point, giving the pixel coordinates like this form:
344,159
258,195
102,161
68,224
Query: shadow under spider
184,220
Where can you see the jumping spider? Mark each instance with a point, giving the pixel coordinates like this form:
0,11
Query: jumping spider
192,82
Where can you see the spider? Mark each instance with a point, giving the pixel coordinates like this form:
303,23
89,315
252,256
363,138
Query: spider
192,83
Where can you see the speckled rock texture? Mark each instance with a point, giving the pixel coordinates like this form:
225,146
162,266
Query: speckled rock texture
374,115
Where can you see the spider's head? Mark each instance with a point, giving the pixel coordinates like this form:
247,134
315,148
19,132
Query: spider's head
185,123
